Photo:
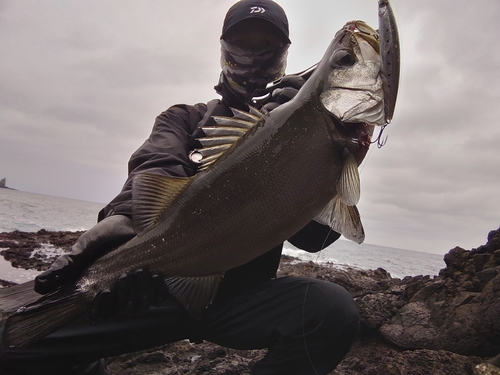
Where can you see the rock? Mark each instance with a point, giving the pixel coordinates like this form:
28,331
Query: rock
458,311
21,245
486,369
448,324
185,358
371,357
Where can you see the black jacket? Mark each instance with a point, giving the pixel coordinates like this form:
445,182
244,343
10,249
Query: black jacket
166,152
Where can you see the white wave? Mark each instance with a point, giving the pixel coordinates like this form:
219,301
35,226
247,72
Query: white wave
47,250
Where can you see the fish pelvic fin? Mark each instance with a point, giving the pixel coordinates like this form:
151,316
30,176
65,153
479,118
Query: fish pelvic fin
348,184
37,320
343,219
194,293
15,297
228,132
151,194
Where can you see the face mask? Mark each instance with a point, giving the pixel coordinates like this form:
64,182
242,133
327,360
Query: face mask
245,71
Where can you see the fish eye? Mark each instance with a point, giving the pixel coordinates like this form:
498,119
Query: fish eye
342,59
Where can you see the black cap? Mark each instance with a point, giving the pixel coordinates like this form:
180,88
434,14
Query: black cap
264,9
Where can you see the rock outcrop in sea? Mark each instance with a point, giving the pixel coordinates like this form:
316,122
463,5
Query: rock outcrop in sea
442,325
3,184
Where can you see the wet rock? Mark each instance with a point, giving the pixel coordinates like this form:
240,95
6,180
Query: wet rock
486,369
458,311
19,247
371,357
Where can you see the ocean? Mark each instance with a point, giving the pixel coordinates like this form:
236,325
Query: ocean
31,212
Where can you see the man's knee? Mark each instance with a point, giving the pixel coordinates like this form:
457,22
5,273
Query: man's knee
336,318
323,311
332,312
317,333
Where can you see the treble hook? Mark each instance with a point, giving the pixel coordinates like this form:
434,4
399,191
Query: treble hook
381,142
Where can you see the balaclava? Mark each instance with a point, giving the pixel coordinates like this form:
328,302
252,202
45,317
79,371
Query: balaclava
244,71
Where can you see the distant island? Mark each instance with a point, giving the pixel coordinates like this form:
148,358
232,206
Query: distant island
3,184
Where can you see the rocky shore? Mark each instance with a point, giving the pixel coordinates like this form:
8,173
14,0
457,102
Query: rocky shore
447,324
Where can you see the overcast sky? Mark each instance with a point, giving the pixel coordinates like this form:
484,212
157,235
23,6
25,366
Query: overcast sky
81,83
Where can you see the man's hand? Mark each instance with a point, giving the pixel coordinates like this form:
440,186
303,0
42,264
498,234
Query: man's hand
103,237
285,91
131,295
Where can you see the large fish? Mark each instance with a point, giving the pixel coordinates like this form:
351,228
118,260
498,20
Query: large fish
263,178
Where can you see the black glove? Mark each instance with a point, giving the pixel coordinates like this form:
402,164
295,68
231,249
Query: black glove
103,237
132,294
285,91
314,237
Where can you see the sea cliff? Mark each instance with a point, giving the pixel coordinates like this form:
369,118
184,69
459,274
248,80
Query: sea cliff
447,324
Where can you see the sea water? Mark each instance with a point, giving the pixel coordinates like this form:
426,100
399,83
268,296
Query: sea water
31,212
398,262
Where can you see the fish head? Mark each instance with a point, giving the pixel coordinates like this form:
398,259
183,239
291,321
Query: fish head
353,88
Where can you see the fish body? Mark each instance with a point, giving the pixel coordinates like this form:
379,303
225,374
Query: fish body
238,209
286,168
243,201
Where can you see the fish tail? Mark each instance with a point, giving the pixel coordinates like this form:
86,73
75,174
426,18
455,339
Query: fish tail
14,297
32,322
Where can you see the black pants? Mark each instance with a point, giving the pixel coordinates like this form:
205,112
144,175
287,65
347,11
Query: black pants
307,325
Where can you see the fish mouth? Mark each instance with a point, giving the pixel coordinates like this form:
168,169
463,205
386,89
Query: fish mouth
363,83
356,132
357,136
353,90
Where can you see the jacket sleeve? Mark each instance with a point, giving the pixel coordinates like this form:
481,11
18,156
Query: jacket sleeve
314,237
165,152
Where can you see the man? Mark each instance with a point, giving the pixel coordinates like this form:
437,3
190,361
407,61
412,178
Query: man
307,325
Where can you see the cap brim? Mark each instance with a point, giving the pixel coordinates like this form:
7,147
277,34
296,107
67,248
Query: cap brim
256,16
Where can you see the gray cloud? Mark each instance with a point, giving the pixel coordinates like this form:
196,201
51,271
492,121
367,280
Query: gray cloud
83,81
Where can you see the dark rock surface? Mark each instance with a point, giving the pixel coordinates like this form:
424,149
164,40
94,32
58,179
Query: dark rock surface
19,247
445,324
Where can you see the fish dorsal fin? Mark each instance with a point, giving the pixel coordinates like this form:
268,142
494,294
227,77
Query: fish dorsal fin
348,184
343,219
254,115
194,293
221,137
254,111
151,194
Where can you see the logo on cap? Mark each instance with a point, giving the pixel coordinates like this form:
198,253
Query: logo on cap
257,10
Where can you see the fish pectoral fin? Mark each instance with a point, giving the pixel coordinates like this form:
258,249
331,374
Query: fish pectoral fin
348,184
343,219
194,293
151,194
